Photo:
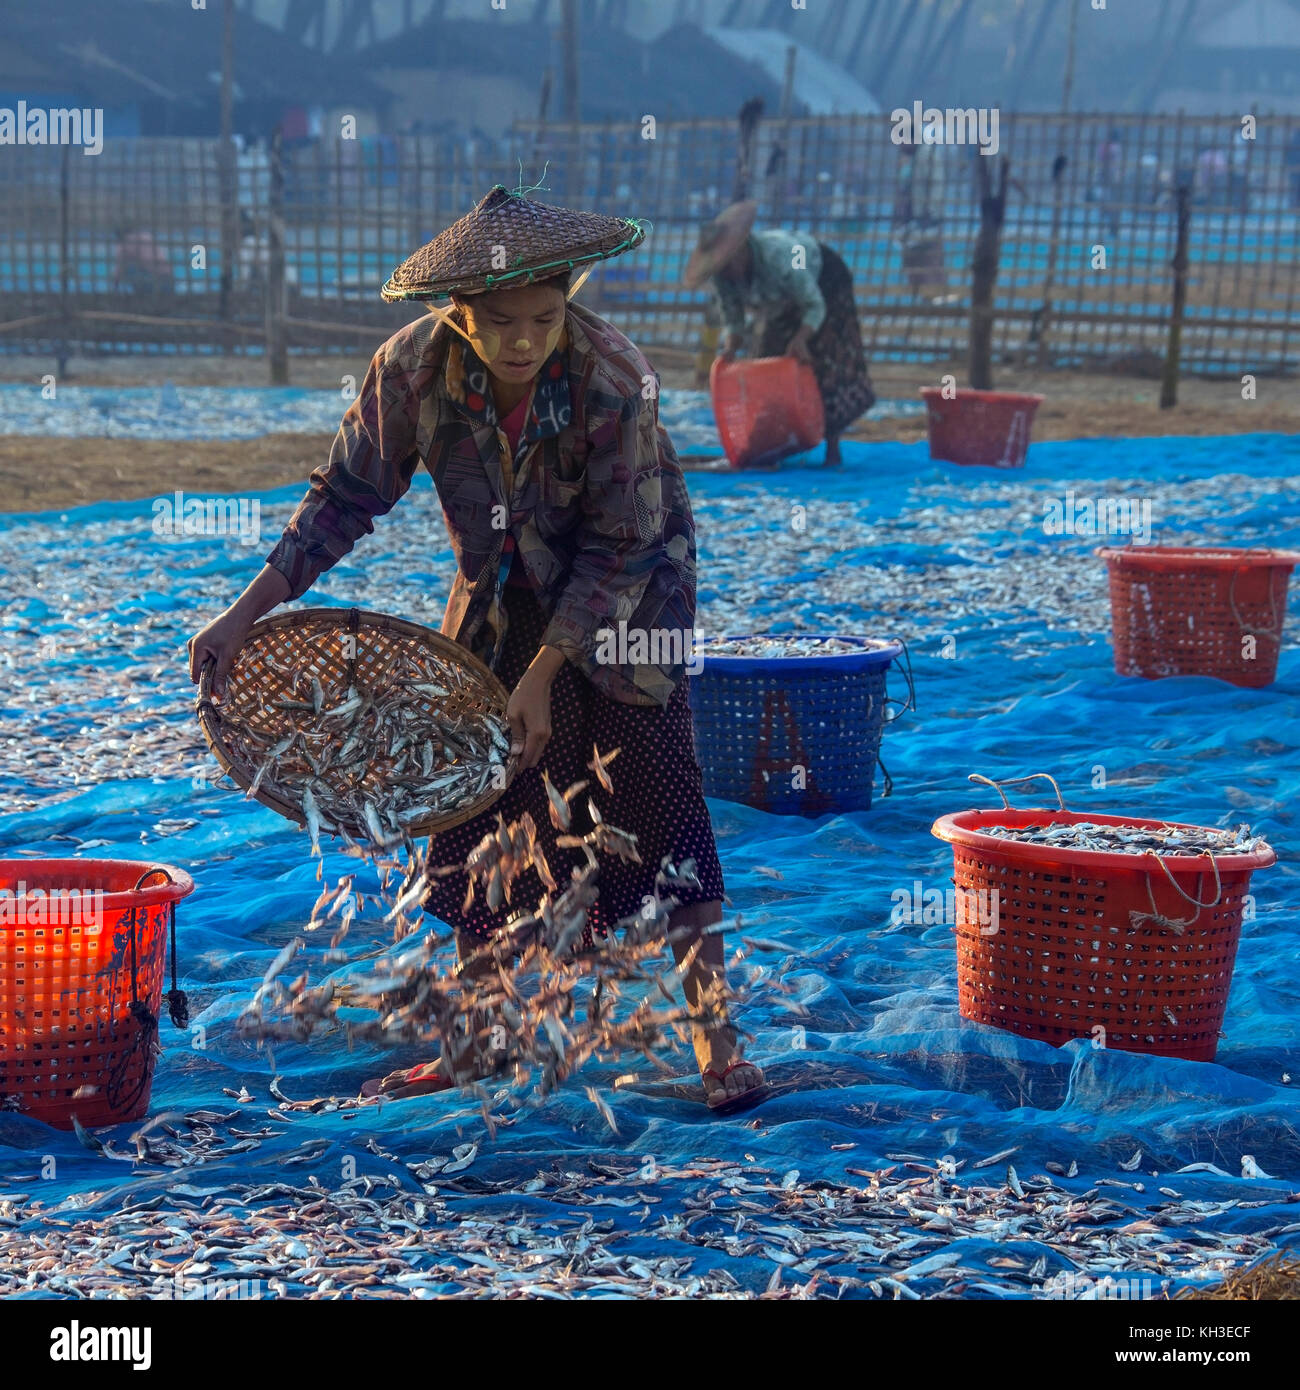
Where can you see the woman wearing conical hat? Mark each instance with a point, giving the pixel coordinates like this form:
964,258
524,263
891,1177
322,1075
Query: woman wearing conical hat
800,294
575,553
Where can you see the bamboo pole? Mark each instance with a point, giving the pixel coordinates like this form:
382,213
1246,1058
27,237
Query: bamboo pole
1058,191
229,190
61,349
1173,351
277,350
984,271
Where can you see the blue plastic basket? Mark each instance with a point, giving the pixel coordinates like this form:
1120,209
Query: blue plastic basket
758,720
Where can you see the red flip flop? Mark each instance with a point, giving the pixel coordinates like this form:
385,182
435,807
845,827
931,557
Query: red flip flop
421,1080
724,1103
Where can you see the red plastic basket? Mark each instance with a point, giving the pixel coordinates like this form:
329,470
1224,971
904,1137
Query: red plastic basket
767,409
988,428
1198,611
1131,952
76,977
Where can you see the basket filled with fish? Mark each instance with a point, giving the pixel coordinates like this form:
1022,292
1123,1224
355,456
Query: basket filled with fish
792,722
1119,930
985,428
360,724
83,950
1185,610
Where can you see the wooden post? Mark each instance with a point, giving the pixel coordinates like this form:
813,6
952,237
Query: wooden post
229,182
338,224
780,163
539,135
61,351
1058,190
277,347
569,58
1169,382
984,270
572,181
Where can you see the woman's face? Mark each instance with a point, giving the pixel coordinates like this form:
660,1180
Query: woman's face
515,330
737,268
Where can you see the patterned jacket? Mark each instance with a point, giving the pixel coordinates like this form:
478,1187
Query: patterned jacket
776,283
598,508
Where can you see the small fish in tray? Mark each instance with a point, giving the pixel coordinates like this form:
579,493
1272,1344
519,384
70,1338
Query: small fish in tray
376,763
781,645
1133,839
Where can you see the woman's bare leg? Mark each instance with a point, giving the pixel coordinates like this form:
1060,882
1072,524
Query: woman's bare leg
716,1044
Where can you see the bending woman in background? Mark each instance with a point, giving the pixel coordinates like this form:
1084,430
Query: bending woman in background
801,295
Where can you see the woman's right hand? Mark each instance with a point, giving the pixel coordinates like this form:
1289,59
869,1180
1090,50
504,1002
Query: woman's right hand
730,346
221,640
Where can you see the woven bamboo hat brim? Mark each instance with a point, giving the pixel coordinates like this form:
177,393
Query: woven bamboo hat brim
719,241
536,240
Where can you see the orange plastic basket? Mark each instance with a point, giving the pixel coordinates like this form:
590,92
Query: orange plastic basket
988,428
1198,611
767,409
81,983
1131,952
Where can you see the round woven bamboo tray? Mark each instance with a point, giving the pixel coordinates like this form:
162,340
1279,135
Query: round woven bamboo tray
341,647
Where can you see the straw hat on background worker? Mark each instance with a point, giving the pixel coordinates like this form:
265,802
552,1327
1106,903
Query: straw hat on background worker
719,242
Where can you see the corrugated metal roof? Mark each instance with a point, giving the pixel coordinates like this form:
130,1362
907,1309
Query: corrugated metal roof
1253,24
133,50
824,87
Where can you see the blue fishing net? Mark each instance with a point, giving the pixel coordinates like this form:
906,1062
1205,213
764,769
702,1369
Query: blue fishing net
880,1060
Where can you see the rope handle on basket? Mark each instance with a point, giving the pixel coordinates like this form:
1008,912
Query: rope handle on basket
903,707
910,702
889,781
178,1006
1177,925
1013,781
205,702
1274,630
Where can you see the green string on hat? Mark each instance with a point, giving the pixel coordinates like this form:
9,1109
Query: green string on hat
520,191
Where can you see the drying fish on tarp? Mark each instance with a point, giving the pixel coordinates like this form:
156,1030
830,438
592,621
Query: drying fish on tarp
1028,593
1133,839
885,1234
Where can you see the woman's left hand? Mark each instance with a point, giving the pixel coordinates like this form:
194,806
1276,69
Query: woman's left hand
798,346
529,714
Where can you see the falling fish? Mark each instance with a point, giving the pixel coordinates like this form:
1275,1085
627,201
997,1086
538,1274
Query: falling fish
602,1105
600,766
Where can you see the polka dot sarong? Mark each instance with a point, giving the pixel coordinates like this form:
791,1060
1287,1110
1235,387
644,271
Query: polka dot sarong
657,794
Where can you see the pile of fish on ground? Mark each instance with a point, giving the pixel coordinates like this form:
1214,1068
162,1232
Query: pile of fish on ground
234,412
854,1020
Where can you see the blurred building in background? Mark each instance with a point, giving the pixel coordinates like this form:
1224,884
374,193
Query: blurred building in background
460,66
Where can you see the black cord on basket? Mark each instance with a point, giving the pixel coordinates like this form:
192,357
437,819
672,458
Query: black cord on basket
146,1032
910,702
178,1005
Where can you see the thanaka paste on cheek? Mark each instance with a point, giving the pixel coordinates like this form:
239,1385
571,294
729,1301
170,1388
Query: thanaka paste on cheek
486,343
553,337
